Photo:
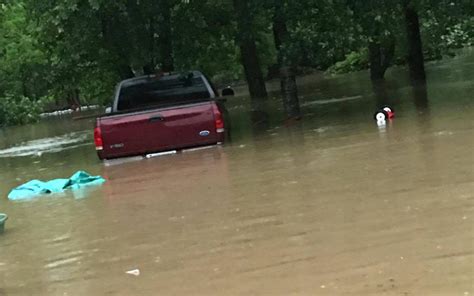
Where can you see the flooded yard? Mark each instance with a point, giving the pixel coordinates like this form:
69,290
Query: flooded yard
330,205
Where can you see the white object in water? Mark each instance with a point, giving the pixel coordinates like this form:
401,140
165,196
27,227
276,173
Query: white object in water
380,116
161,154
381,123
135,272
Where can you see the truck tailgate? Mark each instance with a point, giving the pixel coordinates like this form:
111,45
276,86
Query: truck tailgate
158,130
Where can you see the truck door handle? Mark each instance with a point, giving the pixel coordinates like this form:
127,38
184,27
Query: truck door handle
156,118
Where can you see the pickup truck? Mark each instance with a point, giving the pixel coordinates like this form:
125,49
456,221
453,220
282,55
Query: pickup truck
157,113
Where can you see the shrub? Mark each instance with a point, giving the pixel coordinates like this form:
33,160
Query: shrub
354,61
19,110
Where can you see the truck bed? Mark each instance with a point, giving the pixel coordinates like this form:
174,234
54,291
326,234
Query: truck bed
156,113
155,130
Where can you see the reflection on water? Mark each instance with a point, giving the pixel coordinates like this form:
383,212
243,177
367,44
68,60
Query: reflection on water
331,101
420,96
329,205
47,145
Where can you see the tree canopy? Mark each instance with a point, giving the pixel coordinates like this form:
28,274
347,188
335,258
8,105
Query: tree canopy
57,53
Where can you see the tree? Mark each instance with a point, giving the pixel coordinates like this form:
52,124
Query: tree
248,51
380,58
415,49
73,52
212,47
287,68
165,35
377,21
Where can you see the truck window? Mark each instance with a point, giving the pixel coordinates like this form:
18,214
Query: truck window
166,91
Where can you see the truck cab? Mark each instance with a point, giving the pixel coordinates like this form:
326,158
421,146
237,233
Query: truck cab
157,113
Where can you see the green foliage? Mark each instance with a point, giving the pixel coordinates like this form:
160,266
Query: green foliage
459,35
354,61
18,110
316,28
446,26
23,67
61,48
212,47
22,64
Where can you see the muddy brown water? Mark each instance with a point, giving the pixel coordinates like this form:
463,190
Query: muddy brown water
331,205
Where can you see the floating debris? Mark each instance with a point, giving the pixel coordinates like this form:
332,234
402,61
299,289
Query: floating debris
135,272
3,219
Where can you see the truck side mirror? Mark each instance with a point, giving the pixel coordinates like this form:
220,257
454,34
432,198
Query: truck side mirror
108,110
228,92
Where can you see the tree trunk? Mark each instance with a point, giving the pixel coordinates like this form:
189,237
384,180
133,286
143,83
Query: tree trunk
375,59
73,100
388,52
125,71
290,92
123,68
166,37
289,89
253,72
415,49
248,53
379,87
420,95
149,67
380,58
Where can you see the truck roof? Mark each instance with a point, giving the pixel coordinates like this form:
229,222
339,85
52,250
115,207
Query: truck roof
165,76
160,89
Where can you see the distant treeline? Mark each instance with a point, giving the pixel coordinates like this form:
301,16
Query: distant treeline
72,52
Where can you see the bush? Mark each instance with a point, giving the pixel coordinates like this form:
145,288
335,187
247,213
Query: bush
354,61
19,110
459,35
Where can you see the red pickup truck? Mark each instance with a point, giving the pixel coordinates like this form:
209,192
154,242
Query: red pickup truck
159,113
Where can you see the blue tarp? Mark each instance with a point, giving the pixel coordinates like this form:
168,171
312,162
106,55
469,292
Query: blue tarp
35,188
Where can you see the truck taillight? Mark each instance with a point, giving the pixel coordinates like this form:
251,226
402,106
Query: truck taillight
218,119
99,145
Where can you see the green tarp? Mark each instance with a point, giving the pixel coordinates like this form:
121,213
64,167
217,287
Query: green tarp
36,188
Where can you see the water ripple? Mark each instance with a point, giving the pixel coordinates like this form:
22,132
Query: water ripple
46,145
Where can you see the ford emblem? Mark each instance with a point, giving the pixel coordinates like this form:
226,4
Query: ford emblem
204,133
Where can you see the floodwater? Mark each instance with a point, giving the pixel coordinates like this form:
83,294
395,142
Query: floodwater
330,205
